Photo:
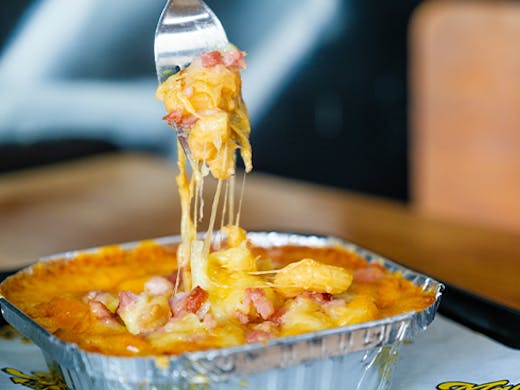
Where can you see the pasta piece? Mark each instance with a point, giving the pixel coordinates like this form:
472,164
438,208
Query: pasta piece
310,275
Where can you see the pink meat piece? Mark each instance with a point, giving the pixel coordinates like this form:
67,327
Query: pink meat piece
188,122
211,59
126,298
188,302
370,274
257,336
241,316
103,314
100,310
158,285
263,306
318,297
173,116
276,318
234,58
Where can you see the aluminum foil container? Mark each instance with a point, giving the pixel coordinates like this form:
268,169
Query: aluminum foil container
360,356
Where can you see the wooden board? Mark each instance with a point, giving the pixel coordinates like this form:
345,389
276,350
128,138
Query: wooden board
465,116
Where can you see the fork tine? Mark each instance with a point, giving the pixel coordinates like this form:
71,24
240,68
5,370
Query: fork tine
186,29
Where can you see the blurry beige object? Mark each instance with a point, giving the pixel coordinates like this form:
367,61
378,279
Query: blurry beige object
465,111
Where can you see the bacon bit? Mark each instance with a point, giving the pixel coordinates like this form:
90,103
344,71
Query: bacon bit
126,298
173,116
257,336
188,302
211,58
176,302
241,316
318,297
103,314
188,122
158,285
370,274
261,303
276,318
176,117
195,299
235,58
100,310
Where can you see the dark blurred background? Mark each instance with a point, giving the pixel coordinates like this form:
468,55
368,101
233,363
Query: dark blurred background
326,85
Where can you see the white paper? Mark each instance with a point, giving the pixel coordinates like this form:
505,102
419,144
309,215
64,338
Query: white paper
447,351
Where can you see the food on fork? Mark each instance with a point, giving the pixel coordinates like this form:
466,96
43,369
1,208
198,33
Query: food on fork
205,101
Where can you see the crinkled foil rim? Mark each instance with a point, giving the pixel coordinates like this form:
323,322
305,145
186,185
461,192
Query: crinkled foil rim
221,364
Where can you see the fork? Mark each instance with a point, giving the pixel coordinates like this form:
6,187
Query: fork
186,29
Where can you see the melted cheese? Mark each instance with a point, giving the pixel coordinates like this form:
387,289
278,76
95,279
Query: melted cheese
123,302
53,294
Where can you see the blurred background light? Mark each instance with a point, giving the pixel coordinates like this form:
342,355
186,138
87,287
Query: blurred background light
325,84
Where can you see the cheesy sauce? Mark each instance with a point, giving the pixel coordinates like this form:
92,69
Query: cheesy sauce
89,300
154,300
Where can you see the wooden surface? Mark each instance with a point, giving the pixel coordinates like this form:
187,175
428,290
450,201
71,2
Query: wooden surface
465,122
119,198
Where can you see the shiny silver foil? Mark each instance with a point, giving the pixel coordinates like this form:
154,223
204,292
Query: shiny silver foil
360,356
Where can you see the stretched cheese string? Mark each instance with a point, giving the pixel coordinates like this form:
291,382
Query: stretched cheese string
231,199
214,206
188,232
237,220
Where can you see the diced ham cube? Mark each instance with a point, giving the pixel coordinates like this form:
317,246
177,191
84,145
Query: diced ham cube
176,303
190,302
126,298
173,116
158,285
111,302
100,310
103,314
187,122
318,297
234,58
241,316
195,299
263,306
257,336
276,318
211,58
369,274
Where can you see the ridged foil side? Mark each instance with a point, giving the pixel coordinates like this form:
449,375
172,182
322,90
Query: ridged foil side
359,356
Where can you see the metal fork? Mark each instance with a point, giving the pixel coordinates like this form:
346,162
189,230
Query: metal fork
186,29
